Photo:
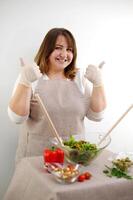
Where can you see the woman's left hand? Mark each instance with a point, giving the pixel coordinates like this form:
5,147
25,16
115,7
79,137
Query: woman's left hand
93,74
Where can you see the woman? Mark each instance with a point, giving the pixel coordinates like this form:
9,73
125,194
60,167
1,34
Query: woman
62,88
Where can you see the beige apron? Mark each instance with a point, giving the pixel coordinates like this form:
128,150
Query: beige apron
67,107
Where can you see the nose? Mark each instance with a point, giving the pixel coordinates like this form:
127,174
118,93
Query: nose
63,52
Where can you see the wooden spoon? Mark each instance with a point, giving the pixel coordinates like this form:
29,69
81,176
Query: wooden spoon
115,124
54,131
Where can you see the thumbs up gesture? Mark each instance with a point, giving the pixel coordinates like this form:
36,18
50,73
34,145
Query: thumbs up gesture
93,74
29,73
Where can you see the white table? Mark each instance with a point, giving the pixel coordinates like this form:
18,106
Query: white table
31,181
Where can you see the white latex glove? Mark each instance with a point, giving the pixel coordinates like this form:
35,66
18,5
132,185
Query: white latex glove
93,74
29,73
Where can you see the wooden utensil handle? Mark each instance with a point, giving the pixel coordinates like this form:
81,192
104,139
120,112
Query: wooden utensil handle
49,119
116,123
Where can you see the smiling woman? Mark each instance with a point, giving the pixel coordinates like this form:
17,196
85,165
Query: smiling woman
102,29
58,49
62,88
61,57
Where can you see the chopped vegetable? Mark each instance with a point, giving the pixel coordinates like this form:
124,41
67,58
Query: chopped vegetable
80,145
123,164
114,171
119,168
81,151
69,173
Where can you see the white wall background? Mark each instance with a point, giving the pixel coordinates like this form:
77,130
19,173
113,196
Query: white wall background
103,31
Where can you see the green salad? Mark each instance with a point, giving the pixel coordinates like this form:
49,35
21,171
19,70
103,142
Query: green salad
80,151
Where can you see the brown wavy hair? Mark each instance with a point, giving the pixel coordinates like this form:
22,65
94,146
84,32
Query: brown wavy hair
47,47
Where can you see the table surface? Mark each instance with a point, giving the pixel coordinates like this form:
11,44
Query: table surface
31,181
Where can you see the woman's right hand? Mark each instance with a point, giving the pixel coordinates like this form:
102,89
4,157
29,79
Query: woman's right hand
29,73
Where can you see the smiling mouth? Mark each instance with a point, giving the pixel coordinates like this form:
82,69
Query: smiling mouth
61,60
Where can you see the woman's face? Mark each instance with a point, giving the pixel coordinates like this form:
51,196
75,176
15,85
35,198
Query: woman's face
61,56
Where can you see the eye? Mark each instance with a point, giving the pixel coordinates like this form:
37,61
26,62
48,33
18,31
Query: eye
58,47
70,49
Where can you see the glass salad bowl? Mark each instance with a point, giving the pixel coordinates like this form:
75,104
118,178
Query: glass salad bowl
64,173
82,151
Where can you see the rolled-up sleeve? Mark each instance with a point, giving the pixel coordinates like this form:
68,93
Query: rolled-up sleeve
95,116
16,118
